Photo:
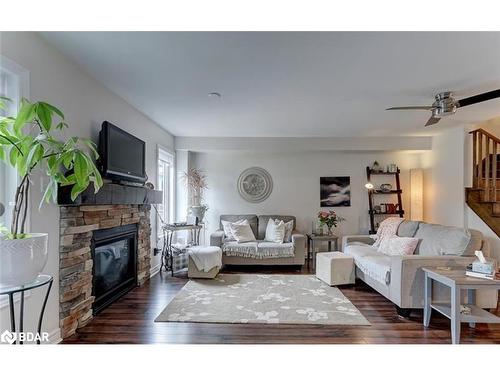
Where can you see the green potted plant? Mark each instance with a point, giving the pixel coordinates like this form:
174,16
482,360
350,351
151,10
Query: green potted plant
29,143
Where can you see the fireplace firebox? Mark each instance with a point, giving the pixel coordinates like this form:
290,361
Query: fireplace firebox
114,254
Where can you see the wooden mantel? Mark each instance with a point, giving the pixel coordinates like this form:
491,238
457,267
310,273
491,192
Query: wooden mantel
110,194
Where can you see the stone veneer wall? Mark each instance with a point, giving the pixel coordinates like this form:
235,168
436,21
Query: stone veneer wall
75,259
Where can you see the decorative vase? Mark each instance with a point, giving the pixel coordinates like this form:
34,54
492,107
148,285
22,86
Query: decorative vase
198,211
330,230
21,261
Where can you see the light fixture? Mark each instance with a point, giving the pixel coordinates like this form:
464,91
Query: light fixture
215,95
369,185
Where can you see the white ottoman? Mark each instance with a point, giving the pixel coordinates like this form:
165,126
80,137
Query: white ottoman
194,272
335,268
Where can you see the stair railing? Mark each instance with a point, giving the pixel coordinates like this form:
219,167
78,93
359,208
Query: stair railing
485,151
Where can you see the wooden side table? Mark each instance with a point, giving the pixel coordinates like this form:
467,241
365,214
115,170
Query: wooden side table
457,281
312,238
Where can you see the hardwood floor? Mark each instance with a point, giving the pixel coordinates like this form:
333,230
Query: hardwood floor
130,320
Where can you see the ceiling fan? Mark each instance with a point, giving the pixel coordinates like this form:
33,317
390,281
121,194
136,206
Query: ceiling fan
445,104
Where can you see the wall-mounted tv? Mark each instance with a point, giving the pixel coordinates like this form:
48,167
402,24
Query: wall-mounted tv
122,156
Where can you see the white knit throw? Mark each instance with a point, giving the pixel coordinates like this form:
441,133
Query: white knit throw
387,228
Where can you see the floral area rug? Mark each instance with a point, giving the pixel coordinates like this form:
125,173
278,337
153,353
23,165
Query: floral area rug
271,299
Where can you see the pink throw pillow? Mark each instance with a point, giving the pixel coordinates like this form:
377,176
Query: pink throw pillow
395,245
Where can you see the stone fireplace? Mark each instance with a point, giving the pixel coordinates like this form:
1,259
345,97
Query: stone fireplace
80,226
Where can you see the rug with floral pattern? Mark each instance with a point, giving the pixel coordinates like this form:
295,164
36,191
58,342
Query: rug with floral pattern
272,299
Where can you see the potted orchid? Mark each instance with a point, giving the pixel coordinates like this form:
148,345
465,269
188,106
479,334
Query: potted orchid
330,219
29,143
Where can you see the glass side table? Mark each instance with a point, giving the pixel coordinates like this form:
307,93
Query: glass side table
40,281
169,250
313,238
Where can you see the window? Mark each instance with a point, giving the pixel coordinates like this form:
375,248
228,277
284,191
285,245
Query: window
166,185
14,82
14,85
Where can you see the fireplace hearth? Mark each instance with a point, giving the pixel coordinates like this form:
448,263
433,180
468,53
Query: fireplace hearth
114,264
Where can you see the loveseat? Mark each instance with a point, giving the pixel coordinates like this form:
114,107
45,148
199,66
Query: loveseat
260,252
401,279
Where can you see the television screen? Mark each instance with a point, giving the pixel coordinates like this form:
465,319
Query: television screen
122,154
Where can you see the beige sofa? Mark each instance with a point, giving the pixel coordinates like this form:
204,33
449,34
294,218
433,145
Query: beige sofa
262,252
401,279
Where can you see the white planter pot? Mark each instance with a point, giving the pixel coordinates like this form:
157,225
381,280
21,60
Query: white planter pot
198,211
21,261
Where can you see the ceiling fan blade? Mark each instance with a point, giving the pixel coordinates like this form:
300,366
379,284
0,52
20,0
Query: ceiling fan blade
479,98
425,107
433,120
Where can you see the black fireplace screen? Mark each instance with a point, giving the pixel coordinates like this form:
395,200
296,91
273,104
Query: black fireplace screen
115,269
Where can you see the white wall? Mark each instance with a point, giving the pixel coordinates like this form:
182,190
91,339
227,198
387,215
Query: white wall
447,171
444,196
86,104
296,187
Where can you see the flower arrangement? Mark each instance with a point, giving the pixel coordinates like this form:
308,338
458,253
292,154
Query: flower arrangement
330,219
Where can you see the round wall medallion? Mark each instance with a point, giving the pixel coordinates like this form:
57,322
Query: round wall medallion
255,184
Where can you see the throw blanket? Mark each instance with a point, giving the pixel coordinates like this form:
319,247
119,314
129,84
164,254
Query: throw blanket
206,257
259,250
387,228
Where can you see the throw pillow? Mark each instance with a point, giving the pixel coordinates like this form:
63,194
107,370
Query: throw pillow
288,231
395,245
242,232
275,231
226,226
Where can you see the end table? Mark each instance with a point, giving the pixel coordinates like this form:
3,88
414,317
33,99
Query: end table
312,238
457,281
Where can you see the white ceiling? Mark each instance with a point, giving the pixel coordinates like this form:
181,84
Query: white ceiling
290,84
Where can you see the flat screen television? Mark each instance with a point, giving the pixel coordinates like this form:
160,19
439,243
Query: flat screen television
122,156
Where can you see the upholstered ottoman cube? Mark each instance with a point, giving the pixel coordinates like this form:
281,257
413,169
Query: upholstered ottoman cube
335,268
204,262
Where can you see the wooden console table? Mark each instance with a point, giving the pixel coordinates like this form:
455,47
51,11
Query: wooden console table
457,281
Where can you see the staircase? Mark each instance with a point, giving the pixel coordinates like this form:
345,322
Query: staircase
484,195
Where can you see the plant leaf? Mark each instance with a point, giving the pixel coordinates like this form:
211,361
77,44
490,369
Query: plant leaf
95,173
70,180
92,146
80,166
13,155
48,194
62,125
44,114
51,108
34,155
77,189
25,115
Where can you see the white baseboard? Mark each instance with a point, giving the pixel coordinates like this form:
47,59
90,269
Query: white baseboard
4,300
154,270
